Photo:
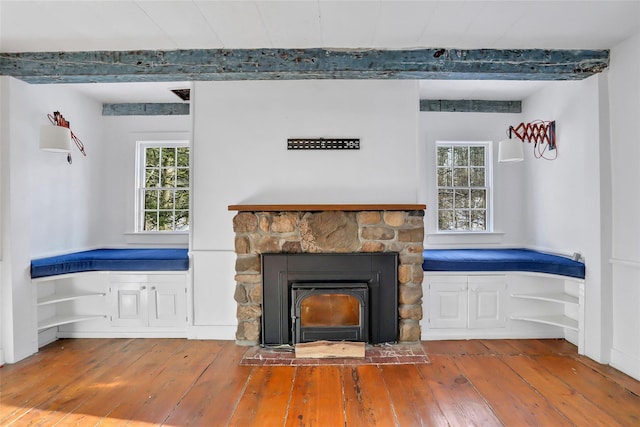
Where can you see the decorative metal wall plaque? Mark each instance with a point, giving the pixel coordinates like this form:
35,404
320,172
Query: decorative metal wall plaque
323,144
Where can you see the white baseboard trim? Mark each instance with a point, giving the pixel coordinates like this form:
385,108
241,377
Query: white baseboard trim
47,336
433,335
626,363
225,332
112,334
218,332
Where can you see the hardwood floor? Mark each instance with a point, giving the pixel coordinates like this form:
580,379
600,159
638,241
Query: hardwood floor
174,382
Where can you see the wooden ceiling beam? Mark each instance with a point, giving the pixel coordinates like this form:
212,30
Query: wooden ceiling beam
146,109
296,64
470,106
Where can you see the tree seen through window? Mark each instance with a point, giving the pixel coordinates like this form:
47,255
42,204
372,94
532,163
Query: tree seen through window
463,189
166,188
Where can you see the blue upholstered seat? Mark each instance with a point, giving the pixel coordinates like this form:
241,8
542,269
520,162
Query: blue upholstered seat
164,259
501,260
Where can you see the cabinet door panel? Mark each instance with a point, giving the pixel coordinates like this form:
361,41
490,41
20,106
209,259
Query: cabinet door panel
487,302
448,304
129,305
167,305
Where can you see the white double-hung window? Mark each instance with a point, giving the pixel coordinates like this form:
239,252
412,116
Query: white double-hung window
463,186
162,194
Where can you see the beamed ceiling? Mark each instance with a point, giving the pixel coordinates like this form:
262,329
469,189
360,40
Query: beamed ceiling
246,28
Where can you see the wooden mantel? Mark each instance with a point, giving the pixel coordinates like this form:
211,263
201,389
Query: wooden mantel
327,207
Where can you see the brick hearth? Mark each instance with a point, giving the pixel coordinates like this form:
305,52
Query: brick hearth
327,229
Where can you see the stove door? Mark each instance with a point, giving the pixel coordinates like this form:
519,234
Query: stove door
334,312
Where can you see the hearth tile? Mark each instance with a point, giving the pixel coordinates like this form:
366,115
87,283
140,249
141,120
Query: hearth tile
386,354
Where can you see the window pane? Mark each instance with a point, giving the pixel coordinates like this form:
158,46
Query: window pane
182,199
444,156
460,177
461,199
476,156
462,219
166,199
445,220
168,176
461,156
445,199
168,156
151,221
183,156
151,199
462,185
183,177
152,156
444,177
163,199
152,177
479,199
165,221
477,177
182,220
478,220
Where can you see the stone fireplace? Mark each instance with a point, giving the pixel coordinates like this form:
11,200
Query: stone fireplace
327,229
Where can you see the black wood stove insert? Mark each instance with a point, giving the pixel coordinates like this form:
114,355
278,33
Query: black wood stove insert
309,297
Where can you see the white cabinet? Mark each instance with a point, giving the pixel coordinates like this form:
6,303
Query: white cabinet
148,300
128,303
105,304
448,302
473,302
515,305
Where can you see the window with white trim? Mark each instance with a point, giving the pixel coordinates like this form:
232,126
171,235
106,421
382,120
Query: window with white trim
463,186
162,196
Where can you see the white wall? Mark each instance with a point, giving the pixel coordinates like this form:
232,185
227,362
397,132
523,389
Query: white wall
241,131
47,205
4,136
508,186
64,199
117,183
624,88
567,208
240,156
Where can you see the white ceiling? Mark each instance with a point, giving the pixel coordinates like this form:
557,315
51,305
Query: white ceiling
45,25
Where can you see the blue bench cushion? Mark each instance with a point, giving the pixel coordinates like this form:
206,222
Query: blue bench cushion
165,259
501,260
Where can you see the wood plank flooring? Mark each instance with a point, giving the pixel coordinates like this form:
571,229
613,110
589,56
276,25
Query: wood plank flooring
175,382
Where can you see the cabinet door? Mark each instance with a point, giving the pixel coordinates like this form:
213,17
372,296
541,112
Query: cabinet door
487,302
167,304
129,304
447,302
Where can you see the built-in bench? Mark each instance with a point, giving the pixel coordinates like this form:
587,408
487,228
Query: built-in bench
502,293
162,259
524,260
133,292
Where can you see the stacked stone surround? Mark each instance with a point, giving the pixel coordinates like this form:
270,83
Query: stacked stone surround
327,232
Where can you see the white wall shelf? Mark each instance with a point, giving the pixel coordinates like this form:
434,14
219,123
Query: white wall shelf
558,320
551,297
52,299
64,320
68,299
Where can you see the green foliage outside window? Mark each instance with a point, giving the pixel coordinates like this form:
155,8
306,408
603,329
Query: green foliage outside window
166,189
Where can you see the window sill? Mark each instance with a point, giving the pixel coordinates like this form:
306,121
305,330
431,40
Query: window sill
158,238
478,237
